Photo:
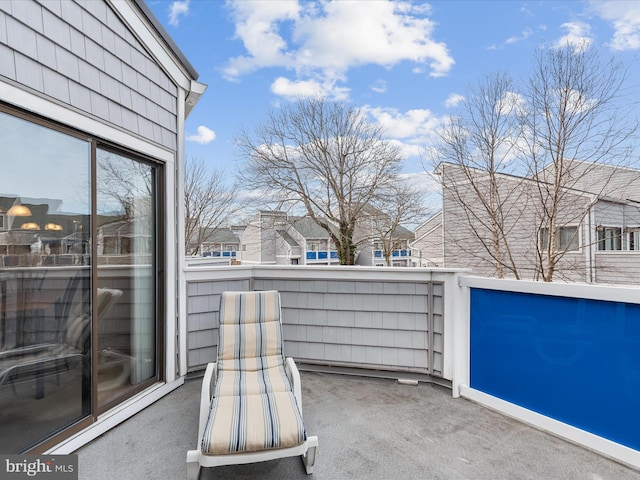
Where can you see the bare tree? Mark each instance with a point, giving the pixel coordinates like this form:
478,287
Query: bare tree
399,204
210,202
480,141
576,117
324,156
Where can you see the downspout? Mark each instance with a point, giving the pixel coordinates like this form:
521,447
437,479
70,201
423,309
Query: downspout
591,250
187,99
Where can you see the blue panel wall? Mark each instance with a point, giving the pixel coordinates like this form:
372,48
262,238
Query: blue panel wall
574,360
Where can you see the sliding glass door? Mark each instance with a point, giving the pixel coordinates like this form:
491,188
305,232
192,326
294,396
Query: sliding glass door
45,282
78,280
126,294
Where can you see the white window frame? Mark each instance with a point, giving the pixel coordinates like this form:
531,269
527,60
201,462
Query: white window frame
609,238
543,237
632,236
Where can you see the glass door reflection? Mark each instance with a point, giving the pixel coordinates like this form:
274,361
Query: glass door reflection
45,282
126,294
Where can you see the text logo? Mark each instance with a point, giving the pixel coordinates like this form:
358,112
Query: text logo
50,467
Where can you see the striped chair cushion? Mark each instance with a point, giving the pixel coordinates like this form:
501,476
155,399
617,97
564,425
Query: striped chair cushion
254,407
249,328
249,423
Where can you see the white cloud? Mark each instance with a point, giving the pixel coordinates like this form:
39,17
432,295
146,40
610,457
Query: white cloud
578,36
308,88
205,135
423,181
379,86
625,17
324,40
176,10
411,124
453,100
526,33
411,131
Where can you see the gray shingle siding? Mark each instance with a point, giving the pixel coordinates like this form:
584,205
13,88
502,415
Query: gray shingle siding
382,324
80,53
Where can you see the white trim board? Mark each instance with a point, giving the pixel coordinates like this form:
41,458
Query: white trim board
115,416
608,448
624,294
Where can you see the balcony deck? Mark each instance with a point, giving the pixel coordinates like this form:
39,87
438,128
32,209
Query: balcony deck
368,428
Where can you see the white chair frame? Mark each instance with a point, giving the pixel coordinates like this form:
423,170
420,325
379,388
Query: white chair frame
197,459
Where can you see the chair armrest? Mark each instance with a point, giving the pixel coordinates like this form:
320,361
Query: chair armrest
294,377
206,393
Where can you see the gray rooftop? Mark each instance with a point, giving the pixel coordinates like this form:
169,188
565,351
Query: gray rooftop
368,428
308,228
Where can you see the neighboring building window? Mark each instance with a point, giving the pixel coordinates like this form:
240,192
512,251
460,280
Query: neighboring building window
1,222
314,247
566,238
609,238
633,240
244,247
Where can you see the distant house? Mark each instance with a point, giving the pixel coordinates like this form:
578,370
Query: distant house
273,237
217,242
380,242
599,226
427,248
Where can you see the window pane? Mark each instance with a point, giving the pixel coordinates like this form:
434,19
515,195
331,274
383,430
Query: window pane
45,327
544,238
569,238
126,244
634,240
609,238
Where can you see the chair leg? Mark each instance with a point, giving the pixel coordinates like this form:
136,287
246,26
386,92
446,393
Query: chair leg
309,460
193,465
193,471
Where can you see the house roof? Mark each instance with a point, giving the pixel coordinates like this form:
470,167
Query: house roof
289,239
612,181
402,232
308,228
166,38
220,235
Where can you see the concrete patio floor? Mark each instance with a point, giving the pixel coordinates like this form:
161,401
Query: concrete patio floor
368,428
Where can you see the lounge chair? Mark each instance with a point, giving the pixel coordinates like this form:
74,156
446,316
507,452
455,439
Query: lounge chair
251,398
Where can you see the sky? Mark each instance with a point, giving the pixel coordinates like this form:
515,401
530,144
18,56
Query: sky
406,64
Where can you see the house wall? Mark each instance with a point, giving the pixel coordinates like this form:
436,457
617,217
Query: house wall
334,316
609,214
428,248
84,56
603,180
622,266
250,244
282,251
467,233
618,267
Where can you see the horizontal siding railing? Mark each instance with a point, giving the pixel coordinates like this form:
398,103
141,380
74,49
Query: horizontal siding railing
348,317
563,357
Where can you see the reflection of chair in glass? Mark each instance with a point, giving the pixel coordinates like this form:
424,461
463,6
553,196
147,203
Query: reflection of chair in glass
44,356
251,400
40,360
113,365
